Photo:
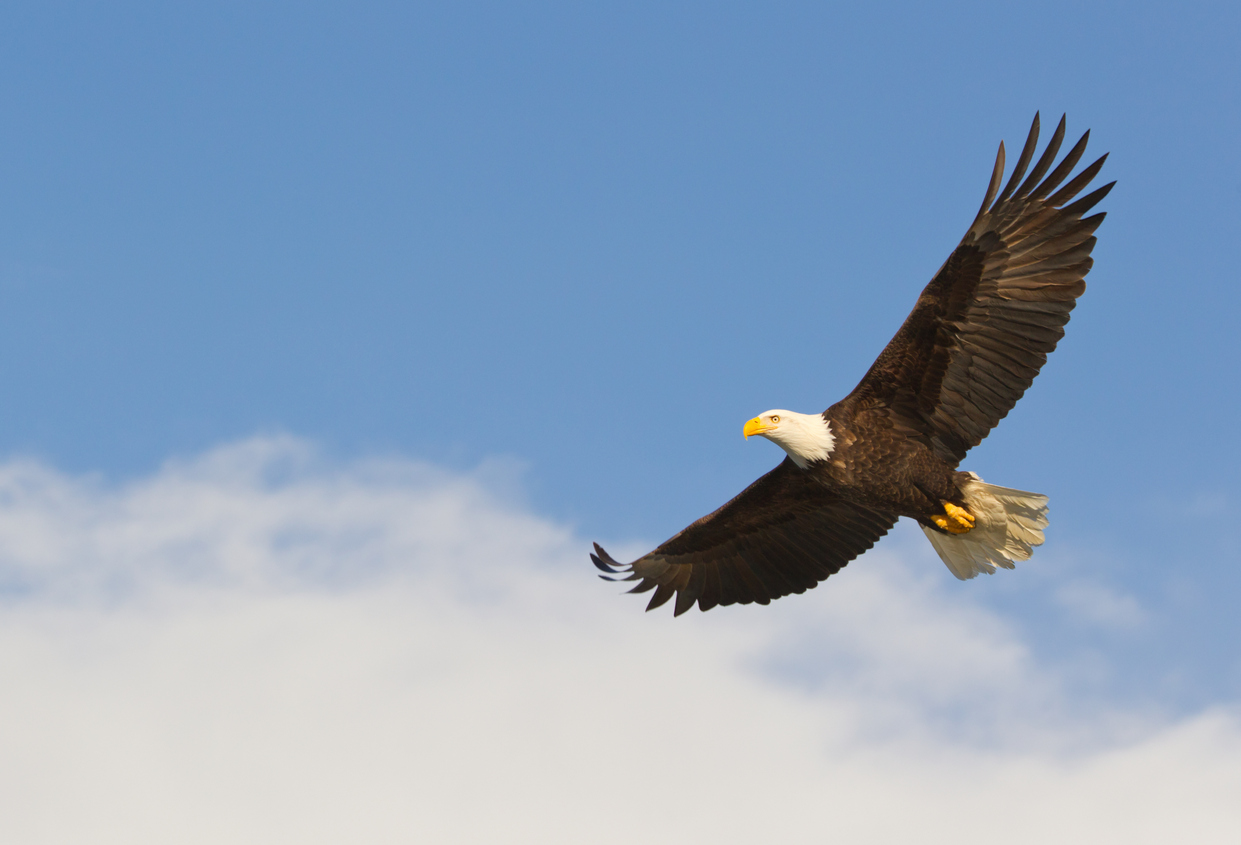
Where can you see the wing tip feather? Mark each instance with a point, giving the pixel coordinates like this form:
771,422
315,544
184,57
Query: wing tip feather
1027,152
662,593
993,187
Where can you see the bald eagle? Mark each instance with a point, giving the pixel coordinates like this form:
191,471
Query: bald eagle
976,338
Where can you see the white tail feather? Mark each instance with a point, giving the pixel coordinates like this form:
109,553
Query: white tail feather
1008,524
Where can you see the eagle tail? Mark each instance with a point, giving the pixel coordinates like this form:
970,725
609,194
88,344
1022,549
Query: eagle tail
1008,525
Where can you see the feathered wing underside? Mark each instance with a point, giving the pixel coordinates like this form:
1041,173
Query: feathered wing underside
783,534
982,329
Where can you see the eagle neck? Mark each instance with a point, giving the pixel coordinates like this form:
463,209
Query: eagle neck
810,439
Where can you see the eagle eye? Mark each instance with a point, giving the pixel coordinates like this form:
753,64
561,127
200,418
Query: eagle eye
775,418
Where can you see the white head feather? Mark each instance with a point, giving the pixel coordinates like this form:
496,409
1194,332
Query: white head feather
805,437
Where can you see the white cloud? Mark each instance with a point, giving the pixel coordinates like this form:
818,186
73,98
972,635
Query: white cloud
258,647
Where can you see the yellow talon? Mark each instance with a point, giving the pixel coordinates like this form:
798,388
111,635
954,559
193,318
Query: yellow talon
957,521
958,513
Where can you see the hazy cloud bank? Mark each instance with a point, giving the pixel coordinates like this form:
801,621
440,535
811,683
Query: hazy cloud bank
257,646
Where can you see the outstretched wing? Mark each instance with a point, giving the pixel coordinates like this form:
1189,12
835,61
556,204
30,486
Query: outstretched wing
983,327
783,534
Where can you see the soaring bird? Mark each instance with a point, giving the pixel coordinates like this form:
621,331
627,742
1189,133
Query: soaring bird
976,338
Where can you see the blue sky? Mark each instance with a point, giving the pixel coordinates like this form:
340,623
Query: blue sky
594,241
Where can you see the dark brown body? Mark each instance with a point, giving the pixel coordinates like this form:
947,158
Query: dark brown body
886,470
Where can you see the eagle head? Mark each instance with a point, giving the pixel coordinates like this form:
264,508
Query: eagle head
805,437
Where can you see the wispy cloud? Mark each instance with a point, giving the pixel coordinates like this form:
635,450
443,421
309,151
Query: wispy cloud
260,646
1101,605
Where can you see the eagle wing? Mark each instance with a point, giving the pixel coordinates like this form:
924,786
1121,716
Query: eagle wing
783,534
983,327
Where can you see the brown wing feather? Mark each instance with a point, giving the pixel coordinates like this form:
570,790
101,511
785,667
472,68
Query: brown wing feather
982,329
783,534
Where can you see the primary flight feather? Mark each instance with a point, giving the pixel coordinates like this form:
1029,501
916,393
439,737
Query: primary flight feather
975,340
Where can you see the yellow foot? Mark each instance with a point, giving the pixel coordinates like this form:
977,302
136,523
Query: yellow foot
957,521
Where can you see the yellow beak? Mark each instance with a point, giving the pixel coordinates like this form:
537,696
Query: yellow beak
754,426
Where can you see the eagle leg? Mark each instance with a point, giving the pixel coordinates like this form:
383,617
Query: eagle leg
957,521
